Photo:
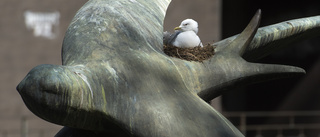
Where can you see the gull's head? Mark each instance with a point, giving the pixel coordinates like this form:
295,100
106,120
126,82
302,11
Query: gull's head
188,25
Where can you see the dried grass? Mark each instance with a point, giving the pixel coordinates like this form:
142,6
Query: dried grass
190,54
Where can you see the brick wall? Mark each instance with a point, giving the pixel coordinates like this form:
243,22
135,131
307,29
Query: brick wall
20,51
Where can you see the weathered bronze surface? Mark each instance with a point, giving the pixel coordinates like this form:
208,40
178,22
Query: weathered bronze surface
116,81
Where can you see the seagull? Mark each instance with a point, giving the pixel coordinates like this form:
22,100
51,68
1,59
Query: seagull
185,35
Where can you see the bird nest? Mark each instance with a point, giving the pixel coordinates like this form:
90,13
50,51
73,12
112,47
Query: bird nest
190,54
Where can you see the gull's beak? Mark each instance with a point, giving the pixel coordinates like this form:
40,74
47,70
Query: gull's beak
177,28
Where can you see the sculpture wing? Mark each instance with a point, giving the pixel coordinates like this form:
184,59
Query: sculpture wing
271,38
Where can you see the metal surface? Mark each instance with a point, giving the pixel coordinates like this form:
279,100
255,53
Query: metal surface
115,79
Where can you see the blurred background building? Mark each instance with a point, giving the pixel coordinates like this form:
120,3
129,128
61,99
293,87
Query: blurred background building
32,31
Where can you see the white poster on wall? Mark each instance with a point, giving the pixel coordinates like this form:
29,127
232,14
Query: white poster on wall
42,23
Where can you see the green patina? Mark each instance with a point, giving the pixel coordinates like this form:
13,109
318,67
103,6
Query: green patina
104,99
115,73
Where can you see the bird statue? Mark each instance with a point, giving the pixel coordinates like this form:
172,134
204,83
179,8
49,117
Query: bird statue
115,80
185,35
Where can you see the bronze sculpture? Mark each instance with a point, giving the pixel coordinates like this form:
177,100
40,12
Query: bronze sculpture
115,79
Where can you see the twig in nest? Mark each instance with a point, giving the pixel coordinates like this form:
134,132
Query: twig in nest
195,57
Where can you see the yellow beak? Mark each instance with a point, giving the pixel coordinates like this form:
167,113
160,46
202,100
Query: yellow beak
177,28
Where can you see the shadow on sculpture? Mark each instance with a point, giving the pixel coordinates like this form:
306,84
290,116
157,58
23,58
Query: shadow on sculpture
116,81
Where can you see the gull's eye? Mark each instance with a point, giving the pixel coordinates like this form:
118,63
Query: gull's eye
186,24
